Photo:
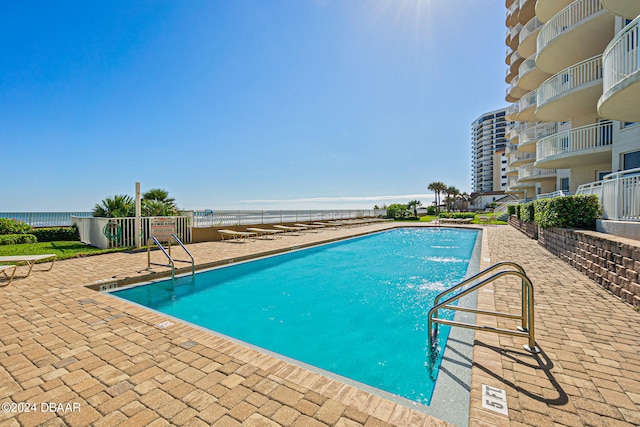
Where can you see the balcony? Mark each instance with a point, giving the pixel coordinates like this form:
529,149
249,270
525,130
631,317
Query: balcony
621,80
547,9
529,173
572,92
514,91
527,107
516,60
585,145
626,8
531,76
579,31
512,14
519,158
527,11
530,136
527,37
512,112
515,186
514,39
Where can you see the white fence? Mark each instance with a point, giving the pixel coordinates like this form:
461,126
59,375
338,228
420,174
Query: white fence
216,218
108,233
619,194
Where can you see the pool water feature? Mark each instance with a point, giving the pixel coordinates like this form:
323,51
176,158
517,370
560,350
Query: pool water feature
356,308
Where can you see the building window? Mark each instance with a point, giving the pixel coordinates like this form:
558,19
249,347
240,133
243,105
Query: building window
564,184
631,160
600,175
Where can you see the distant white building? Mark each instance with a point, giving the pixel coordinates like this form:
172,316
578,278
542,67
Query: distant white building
488,159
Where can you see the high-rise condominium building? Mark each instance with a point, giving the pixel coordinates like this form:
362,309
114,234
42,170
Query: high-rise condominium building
488,160
574,87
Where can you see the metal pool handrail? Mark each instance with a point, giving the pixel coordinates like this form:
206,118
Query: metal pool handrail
526,329
171,263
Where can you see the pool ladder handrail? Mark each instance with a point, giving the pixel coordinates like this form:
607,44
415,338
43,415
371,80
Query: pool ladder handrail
527,327
168,254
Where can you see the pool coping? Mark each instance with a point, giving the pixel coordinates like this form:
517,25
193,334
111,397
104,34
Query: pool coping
452,408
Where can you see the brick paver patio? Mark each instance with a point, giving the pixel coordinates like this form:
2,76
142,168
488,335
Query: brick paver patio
61,343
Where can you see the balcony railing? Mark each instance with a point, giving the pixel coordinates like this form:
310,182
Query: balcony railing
620,59
521,156
527,101
535,133
576,140
530,28
528,171
529,64
566,19
582,74
619,194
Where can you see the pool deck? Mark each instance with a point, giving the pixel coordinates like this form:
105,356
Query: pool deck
61,342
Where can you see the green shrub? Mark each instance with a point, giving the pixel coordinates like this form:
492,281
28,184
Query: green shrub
511,209
517,209
568,212
458,215
396,210
527,212
431,210
13,226
56,234
16,239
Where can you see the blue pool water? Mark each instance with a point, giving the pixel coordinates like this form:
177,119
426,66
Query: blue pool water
356,308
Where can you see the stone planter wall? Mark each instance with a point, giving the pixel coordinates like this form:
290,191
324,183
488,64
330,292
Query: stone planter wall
612,262
528,228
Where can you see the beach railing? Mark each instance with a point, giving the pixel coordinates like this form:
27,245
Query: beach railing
216,218
45,219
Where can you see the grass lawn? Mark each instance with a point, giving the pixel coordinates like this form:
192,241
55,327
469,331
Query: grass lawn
64,250
492,218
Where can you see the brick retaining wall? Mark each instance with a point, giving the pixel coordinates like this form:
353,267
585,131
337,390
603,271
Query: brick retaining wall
612,262
528,228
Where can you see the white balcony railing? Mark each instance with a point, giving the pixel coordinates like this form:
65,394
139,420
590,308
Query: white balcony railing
530,28
528,171
521,156
576,140
619,194
529,64
620,59
566,19
535,133
582,74
527,101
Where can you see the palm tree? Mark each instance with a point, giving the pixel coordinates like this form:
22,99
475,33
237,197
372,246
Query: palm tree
452,194
156,202
116,207
437,187
413,205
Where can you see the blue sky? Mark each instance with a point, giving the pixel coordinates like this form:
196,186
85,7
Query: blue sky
243,104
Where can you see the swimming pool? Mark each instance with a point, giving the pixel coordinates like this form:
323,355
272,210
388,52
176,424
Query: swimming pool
356,308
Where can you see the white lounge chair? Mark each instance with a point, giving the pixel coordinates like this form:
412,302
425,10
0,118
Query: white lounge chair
266,232
236,236
290,229
311,227
4,268
30,260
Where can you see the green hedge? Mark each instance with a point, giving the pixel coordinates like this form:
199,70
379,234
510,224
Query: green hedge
527,212
13,226
511,209
16,239
458,215
56,234
568,212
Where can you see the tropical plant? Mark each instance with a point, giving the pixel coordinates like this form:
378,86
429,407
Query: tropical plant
119,206
413,206
437,187
156,202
